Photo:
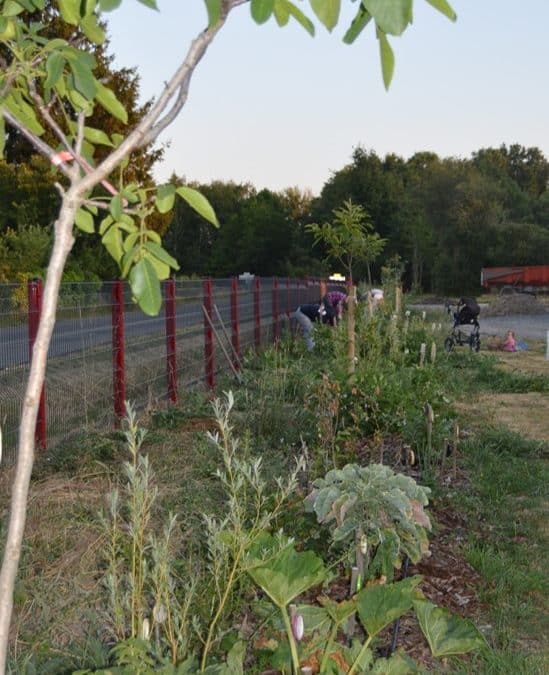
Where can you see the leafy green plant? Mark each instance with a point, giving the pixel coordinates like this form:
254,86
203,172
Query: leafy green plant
286,574
383,506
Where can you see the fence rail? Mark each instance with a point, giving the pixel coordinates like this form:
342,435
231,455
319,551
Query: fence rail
104,350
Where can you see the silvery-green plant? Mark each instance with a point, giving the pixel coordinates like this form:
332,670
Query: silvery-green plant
142,600
386,507
251,507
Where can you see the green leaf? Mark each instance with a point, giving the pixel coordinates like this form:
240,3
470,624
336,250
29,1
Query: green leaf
446,633
358,24
301,18
146,287
165,196
380,605
214,11
70,11
443,7
112,240
105,224
262,10
199,203
92,30
338,611
111,104
54,69
84,80
149,3
12,8
161,254
115,207
288,574
327,12
24,112
97,137
109,5
391,16
398,664
281,12
161,269
387,59
84,221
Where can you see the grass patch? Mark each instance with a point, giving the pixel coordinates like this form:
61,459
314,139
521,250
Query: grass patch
506,508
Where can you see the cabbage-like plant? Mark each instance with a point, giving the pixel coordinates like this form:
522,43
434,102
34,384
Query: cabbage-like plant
381,508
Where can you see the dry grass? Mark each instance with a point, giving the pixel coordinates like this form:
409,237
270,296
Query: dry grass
526,414
530,361
59,599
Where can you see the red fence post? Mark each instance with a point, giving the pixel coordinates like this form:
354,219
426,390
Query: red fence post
171,364
235,335
118,361
34,293
288,298
208,335
257,312
276,311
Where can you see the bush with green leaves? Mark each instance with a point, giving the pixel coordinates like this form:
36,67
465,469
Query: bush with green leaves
387,508
310,631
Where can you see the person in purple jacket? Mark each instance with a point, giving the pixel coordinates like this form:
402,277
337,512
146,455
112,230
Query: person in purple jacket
338,300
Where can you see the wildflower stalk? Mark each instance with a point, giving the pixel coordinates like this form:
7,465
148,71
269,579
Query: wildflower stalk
291,639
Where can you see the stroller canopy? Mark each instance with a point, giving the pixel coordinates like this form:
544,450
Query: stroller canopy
468,310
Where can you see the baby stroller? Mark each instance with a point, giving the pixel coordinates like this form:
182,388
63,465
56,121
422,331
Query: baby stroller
465,314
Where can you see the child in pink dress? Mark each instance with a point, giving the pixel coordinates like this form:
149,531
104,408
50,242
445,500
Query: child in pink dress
510,344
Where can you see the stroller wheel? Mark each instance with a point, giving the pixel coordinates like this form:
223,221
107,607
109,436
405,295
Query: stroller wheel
475,343
449,344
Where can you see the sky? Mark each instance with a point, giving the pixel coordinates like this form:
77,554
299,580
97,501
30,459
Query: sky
276,108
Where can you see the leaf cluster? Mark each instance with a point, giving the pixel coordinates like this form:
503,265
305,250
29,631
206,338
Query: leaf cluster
386,506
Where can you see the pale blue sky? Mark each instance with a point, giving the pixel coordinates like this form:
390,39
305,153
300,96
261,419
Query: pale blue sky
278,108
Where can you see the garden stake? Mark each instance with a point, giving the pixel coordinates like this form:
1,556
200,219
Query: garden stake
398,299
422,351
351,622
429,420
433,351
220,342
351,302
370,306
456,443
445,448
236,356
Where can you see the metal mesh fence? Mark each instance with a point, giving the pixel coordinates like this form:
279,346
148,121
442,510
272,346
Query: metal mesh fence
81,385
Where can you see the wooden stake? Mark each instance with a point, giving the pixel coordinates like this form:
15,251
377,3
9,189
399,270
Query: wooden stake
398,299
455,449
235,353
351,304
422,351
220,342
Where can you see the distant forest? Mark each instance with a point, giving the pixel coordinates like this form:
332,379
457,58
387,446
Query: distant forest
444,218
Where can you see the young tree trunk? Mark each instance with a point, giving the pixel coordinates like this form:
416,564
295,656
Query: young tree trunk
25,454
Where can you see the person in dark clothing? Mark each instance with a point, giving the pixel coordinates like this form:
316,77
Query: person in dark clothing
306,315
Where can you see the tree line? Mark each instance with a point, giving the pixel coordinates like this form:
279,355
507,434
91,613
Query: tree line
444,218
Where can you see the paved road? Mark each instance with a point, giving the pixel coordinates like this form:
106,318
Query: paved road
73,335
